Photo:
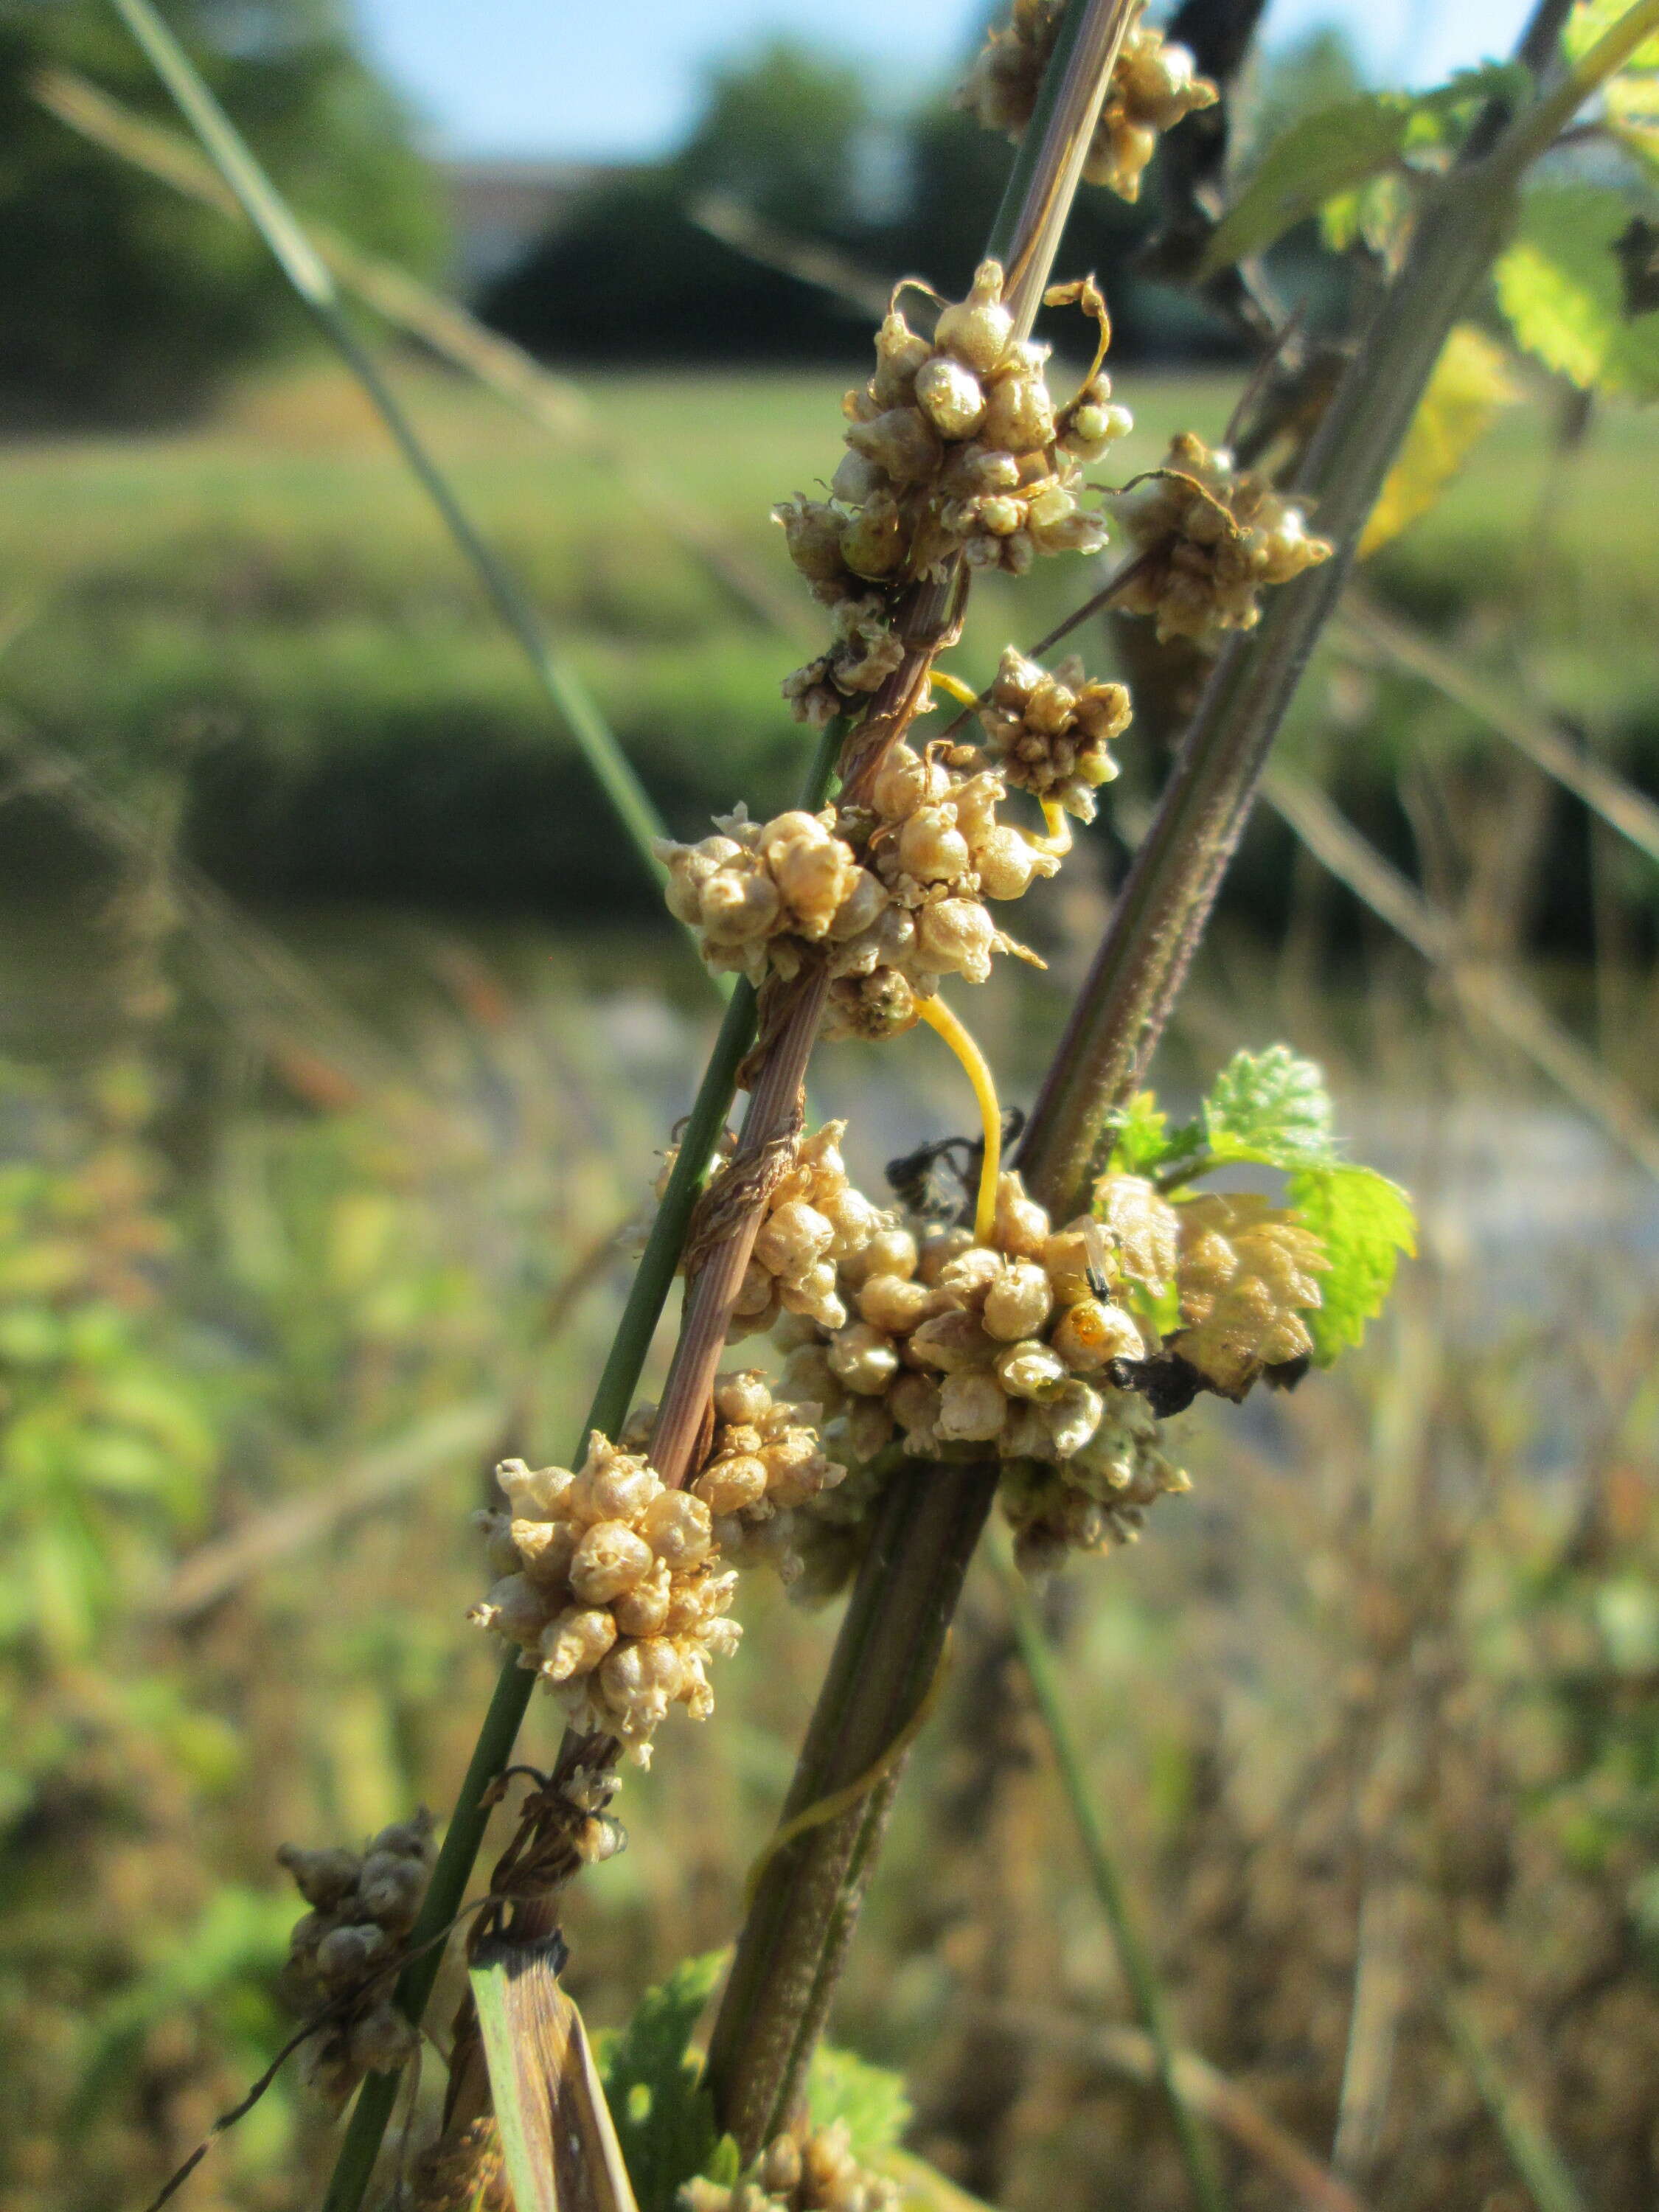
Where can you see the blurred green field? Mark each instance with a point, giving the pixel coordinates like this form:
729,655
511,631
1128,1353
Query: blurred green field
267,607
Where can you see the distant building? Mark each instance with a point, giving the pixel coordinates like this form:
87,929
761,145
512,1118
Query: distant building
498,210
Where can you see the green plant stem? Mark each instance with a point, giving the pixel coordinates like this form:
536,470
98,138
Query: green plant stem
311,277
1538,126
1166,900
1196,2148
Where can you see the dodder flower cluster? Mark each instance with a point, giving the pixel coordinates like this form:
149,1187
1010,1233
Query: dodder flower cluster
1246,1273
1212,536
815,2172
959,1350
891,895
611,1587
1050,734
955,446
765,1460
1153,85
340,1954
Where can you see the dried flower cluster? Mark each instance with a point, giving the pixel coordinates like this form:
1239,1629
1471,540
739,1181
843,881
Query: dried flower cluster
1246,1273
814,1220
1212,537
891,895
1153,86
955,447
610,1586
765,1460
960,1349
809,2173
341,1953
1050,734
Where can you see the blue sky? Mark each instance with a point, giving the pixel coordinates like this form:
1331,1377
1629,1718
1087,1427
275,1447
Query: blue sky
566,78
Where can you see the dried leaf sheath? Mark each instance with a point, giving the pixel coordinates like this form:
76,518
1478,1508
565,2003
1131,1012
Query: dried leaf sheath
557,2137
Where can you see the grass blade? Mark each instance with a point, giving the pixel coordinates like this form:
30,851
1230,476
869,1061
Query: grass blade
311,277
1488,993
1145,1989
1535,2158
1375,633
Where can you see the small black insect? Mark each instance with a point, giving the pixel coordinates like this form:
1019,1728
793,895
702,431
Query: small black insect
938,1181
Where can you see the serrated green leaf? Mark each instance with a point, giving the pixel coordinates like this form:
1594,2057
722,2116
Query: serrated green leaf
1328,152
872,2100
1364,1223
1270,1103
1470,384
1143,1134
665,2117
1559,285
1591,20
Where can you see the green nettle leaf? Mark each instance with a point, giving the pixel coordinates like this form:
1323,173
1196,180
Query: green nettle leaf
1365,1222
1143,1135
1591,20
1329,152
1560,285
665,2117
1270,1107
872,2100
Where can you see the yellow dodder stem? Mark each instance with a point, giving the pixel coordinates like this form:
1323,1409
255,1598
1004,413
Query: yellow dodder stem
940,1018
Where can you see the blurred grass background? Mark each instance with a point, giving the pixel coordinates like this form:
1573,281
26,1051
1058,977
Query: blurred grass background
340,1034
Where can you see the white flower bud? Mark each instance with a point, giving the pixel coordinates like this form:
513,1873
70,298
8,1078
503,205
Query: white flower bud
979,330
643,1610
863,1360
893,1304
575,1643
1072,1418
972,1408
534,1493
950,396
1089,1333
514,1608
729,1484
951,1342
1030,1370
793,1239
956,936
678,1528
743,1394
609,1559
1018,1304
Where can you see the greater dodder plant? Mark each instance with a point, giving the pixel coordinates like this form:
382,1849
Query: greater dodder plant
986,1333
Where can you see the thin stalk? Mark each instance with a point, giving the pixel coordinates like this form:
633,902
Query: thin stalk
1372,634
791,1931
1197,2151
311,277
1541,2168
